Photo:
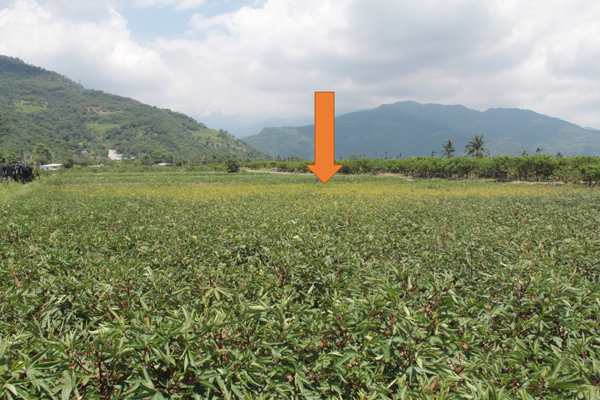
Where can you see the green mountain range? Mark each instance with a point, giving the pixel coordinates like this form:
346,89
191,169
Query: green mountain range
40,106
412,129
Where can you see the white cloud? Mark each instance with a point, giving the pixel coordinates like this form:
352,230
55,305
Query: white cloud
100,53
24,12
267,60
179,4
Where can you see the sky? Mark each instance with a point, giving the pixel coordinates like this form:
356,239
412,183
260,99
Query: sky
234,63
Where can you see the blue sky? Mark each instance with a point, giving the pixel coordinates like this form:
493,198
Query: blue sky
148,23
168,21
232,63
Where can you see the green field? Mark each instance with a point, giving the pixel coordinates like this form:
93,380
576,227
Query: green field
252,285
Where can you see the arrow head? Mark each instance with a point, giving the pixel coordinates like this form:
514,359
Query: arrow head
324,172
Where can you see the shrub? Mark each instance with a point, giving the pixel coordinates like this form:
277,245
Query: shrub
233,165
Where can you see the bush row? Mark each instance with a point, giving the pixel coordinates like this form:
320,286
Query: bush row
582,169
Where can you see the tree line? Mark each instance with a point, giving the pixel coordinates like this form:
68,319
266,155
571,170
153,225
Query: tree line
584,169
477,163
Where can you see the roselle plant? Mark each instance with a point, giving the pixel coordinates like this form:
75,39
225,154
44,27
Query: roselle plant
200,285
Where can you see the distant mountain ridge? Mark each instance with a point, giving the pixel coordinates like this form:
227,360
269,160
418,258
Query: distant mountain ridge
256,128
40,106
415,129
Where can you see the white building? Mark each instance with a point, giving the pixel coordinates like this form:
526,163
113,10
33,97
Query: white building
51,167
114,156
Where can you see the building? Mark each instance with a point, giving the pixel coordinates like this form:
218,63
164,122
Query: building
51,167
114,156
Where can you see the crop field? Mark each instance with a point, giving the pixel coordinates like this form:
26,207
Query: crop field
252,285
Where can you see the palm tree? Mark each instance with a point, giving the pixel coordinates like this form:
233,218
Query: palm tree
538,151
559,154
448,148
524,153
475,147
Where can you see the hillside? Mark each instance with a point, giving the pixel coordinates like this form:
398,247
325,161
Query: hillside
245,131
39,106
414,129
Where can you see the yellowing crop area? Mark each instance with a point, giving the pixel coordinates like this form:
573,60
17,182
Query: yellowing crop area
209,186
186,285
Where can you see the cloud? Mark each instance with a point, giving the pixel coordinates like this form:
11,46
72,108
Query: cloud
98,51
266,59
179,4
537,55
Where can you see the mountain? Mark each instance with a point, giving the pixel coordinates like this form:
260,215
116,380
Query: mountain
40,106
254,129
414,129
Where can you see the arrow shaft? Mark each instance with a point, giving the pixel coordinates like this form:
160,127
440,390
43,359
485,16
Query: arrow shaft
324,167
324,127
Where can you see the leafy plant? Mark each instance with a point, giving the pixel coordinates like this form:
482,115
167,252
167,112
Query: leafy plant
215,285
475,147
233,165
448,148
43,154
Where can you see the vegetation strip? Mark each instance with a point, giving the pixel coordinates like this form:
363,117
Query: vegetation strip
205,285
579,169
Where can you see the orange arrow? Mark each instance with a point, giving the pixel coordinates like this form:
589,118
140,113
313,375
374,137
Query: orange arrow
324,168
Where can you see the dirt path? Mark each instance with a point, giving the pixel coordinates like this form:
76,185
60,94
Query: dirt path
557,183
269,172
